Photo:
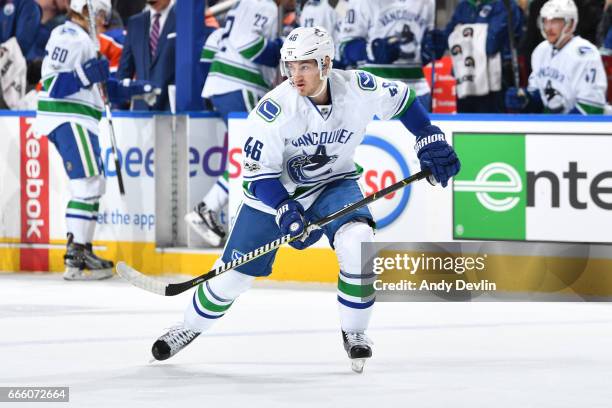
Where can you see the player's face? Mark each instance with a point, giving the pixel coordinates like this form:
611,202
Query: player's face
305,76
553,27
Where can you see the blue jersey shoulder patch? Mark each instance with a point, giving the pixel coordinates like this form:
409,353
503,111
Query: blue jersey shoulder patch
366,81
268,110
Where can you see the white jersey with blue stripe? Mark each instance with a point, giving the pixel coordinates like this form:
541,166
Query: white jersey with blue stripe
305,147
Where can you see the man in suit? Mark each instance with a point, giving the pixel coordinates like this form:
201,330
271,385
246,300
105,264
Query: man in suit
149,49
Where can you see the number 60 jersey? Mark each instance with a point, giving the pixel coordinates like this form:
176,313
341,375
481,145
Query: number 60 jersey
69,46
308,146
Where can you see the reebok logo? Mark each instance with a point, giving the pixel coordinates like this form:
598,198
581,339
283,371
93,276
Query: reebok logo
34,196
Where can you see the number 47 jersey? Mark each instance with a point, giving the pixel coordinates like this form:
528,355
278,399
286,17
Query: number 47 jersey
308,146
68,47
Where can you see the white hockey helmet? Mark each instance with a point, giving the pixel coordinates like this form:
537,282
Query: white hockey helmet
99,6
307,43
565,9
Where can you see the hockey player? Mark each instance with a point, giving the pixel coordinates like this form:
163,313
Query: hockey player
69,109
318,13
242,71
298,166
391,39
568,74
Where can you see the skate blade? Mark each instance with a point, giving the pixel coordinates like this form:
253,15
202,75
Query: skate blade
196,225
357,365
76,274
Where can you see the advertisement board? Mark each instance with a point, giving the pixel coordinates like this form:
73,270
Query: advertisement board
533,187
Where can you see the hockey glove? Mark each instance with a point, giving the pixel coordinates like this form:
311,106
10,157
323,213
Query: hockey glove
124,90
92,71
437,155
385,50
523,100
290,220
516,99
432,46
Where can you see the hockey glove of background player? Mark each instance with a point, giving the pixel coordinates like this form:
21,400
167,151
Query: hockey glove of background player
385,50
432,46
290,220
437,155
92,71
126,89
523,100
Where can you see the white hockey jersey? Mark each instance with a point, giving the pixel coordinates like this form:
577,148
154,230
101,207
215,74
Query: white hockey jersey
407,20
571,77
248,28
320,13
68,46
289,138
211,46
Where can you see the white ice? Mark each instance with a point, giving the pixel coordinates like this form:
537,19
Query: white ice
281,347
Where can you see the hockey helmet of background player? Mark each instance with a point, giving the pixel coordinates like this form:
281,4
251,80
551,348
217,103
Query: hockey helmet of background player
99,6
308,43
565,9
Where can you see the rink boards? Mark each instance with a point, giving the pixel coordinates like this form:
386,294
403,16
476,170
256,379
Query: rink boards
523,178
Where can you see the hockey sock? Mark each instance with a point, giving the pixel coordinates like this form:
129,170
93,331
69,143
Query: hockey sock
218,195
81,215
356,294
213,298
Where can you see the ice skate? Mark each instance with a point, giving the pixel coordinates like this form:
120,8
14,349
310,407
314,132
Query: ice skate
357,346
95,259
172,342
82,264
204,222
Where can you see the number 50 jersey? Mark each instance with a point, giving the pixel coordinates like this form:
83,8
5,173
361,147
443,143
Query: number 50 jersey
308,146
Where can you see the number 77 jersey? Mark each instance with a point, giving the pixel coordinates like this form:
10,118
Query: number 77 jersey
308,146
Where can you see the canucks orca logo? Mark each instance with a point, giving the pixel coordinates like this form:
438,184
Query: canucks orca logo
554,99
307,167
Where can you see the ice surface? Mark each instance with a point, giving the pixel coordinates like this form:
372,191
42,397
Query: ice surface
281,347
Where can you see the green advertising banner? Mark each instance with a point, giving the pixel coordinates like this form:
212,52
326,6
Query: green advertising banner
489,198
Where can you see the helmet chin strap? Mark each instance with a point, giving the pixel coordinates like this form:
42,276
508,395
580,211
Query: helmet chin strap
320,91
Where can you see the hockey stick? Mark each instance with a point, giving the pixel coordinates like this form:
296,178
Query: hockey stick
102,88
513,52
170,289
433,64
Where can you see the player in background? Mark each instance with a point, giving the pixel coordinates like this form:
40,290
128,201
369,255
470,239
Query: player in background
567,71
318,13
392,39
244,62
298,167
69,109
